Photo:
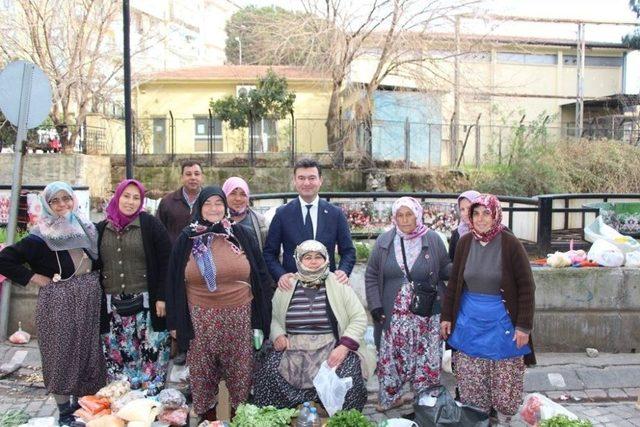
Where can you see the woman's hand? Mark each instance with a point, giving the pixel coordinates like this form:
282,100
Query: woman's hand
173,333
378,315
160,309
40,280
281,343
521,338
337,356
445,329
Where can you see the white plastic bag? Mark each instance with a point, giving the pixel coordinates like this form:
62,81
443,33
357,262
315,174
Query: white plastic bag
632,259
41,422
537,407
446,359
558,260
599,230
606,254
331,388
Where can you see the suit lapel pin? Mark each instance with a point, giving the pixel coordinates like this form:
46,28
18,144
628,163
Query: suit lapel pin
326,211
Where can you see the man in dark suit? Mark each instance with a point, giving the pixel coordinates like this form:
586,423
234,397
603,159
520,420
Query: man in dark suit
308,217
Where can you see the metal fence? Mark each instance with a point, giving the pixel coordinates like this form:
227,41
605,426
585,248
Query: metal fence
402,143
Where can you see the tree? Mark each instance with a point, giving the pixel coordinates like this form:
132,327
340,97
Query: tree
270,99
331,35
250,27
632,40
75,43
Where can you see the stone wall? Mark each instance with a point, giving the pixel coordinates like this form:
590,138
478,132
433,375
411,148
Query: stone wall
76,169
578,308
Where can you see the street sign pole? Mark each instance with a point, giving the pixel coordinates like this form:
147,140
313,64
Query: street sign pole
25,100
16,186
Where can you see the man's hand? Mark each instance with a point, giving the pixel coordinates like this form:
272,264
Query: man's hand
521,339
281,343
337,356
445,329
284,282
40,280
160,309
342,277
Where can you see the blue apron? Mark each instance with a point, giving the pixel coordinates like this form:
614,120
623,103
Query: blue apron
484,329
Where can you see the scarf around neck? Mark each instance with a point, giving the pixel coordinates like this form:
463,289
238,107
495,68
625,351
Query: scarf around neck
63,233
311,278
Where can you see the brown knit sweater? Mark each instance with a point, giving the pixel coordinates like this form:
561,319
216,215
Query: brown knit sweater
517,287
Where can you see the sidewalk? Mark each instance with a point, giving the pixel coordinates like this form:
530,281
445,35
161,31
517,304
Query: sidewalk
602,389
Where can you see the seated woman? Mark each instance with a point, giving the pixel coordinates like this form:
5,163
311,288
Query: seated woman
318,320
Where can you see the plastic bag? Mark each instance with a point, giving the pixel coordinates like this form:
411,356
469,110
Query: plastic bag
606,254
106,421
536,408
599,230
129,397
436,407
558,260
114,390
141,410
446,358
174,417
94,404
20,336
170,398
331,388
41,422
632,259
87,416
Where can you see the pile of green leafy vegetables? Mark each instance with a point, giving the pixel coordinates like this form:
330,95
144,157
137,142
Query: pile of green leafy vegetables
350,418
248,415
13,418
564,421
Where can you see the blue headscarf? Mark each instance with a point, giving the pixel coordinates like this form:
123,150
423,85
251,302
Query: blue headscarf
61,233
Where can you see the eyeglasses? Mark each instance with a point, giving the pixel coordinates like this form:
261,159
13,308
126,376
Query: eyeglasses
64,200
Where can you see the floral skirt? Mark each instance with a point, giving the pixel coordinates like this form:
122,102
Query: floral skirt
133,350
270,387
220,350
410,351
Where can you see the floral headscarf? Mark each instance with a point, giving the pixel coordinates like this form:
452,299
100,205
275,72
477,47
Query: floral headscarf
417,210
117,219
231,184
311,278
492,203
203,232
61,233
470,195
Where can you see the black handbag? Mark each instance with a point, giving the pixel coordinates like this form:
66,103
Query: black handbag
128,306
424,295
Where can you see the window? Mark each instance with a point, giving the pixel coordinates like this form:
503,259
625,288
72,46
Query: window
527,58
265,136
594,61
204,128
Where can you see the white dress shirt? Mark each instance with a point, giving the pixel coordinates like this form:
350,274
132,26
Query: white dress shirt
313,211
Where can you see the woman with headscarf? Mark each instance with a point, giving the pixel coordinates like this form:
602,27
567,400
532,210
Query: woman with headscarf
488,310
218,291
58,256
134,251
464,202
237,192
409,345
317,320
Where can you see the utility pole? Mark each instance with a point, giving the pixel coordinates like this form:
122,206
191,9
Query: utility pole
127,91
580,54
239,50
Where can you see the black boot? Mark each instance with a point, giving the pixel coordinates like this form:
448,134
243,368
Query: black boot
66,411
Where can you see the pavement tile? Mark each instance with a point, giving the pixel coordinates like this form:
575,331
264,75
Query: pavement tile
616,393
594,412
632,391
596,393
635,421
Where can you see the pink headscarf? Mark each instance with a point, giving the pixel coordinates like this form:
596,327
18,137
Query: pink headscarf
492,203
231,184
114,216
417,210
470,195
